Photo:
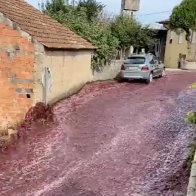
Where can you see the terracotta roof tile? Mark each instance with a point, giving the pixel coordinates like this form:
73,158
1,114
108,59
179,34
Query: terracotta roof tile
40,26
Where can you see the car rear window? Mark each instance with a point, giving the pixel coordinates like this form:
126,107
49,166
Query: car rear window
136,60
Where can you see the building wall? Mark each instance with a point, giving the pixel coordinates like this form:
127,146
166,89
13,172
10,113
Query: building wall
109,72
193,52
174,49
193,48
22,61
69,71
16,73
132,5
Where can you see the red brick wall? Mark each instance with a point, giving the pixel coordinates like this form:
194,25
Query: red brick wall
16,74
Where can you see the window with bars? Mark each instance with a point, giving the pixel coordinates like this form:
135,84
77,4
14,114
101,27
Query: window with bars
180,38
194,37
171,37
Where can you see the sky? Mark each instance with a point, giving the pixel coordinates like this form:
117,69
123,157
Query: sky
149,12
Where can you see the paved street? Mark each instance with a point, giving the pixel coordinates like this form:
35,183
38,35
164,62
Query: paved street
112,139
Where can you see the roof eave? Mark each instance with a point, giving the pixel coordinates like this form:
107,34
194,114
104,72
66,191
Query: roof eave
71,48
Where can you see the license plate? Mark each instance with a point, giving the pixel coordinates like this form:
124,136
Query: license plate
132,68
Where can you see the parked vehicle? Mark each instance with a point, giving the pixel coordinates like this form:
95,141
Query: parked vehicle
144,67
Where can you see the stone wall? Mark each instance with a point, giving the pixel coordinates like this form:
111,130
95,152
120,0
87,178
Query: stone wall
193,52
109,71
16,73
188,65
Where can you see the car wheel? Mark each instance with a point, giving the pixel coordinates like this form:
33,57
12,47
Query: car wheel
163,73
150,79
120,80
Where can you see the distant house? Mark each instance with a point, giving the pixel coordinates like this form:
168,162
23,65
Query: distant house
158,47
177,50
40,60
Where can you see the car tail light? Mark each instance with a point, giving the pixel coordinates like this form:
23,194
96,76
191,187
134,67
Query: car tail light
145,68
122,67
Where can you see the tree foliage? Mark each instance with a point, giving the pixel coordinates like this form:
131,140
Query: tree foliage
191,117
93,9
184,16
87,20
83,19
130,32
125,28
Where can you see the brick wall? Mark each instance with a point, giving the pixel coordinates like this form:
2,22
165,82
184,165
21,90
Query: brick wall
16,76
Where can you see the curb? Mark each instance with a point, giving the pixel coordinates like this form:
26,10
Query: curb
179,70
191,191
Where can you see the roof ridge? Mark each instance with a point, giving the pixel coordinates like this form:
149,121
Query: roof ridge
29,19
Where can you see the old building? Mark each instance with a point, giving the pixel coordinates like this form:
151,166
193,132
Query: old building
40,60
177,50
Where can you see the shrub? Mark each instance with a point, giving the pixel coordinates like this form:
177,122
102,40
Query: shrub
191,117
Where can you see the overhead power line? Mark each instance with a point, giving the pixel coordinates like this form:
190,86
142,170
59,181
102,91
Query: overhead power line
154,13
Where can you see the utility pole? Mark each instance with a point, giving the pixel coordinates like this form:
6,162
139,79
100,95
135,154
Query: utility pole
129,7
122,6
41,5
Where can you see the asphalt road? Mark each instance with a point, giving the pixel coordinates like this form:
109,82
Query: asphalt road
111,139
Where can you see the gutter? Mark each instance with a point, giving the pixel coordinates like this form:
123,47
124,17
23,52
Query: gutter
191,191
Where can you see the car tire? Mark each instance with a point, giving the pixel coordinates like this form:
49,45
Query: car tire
163,73
120,80
150,79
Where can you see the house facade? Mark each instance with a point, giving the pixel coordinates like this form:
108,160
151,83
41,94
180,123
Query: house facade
40,60
178,54
176,47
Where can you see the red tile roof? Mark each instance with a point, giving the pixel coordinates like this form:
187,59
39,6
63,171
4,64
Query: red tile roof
43,28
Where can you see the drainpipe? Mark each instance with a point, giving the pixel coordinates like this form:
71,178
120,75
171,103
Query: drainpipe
46,83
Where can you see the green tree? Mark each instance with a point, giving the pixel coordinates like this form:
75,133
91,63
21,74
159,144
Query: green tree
79,19
184,17
145,37
86,18
93,8
55,5
131,33
124,27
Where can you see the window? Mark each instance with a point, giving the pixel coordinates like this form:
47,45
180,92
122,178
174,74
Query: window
136,60
171,37
180,38
194,37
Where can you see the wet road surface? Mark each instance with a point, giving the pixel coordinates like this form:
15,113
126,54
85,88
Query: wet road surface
126,139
